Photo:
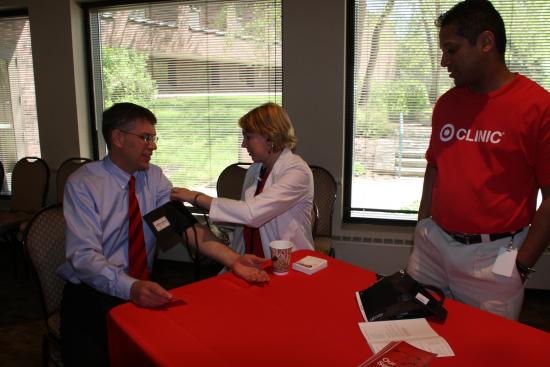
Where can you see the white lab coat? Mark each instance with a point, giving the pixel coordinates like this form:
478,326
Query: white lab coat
282,211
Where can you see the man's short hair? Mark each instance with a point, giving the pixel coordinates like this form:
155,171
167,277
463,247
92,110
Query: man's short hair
122,116
472,17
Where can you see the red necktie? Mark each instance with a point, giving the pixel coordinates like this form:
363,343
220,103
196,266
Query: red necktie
137,256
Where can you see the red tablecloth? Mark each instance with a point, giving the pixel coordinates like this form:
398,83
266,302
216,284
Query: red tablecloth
298,320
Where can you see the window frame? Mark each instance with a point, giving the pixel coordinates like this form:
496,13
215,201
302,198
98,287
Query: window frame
6,14
515,64
349,136
99,147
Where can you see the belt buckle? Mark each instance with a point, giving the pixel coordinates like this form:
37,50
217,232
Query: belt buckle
466,238
461,237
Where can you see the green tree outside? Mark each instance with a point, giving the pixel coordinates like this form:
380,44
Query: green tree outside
126,77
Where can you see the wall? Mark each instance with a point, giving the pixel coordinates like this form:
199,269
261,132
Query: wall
313,78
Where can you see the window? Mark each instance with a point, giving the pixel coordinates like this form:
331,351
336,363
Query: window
393,84
18,122
188,69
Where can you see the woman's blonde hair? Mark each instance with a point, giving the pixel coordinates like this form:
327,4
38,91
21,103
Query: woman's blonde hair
271,121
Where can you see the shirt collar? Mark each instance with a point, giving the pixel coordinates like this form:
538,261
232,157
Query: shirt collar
282,157
122,177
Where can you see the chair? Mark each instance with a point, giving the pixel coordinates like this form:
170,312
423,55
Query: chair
324,197
2,173
29,185
65,169
44,241
229,185
314,218
230,181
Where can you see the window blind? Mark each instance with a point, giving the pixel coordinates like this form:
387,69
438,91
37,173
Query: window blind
396,80
199,66
18,121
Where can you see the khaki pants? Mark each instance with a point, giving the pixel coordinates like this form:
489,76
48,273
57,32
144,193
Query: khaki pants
464,272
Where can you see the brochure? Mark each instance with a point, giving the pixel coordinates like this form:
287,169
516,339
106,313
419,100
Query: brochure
398,354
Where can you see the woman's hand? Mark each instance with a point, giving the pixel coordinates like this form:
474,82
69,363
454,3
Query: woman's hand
183,194
196,198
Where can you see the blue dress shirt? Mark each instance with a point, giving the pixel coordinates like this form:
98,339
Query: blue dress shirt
95,207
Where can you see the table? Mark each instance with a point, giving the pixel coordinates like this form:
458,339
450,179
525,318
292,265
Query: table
297,320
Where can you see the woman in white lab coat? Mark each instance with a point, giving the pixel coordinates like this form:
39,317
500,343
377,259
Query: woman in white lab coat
277,195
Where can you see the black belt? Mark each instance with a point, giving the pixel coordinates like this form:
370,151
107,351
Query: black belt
470,239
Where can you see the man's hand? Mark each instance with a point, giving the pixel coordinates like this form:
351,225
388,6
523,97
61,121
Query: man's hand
149,294
249,268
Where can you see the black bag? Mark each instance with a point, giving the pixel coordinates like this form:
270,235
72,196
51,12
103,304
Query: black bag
168,222
399,296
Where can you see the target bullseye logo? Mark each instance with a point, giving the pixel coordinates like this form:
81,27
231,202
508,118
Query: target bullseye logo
447,132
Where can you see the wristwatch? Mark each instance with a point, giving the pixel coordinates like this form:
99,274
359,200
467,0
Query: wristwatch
524,271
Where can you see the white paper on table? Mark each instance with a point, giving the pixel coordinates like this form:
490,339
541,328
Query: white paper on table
414,331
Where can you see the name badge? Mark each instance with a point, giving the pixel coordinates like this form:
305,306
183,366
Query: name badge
506,261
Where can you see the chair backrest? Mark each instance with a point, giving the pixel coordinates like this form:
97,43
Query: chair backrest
314,219
324,197
230,181
65,169
29,184
44,240
2,175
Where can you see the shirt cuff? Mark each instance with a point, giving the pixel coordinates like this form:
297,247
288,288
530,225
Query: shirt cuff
124,285
215,213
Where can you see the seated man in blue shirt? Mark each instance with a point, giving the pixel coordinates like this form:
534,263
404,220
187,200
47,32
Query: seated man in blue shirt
109,251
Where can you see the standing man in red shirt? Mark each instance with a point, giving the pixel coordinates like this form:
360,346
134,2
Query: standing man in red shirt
479,232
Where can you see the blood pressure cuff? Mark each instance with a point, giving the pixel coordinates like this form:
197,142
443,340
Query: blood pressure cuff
399,296
168,222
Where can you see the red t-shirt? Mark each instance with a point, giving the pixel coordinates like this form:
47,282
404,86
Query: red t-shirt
492,153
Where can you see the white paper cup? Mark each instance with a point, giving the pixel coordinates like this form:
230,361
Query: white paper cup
280,256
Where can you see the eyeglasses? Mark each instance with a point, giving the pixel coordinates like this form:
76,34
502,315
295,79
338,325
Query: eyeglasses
147,138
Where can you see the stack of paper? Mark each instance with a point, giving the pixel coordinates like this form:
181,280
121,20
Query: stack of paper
416,332
310,264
